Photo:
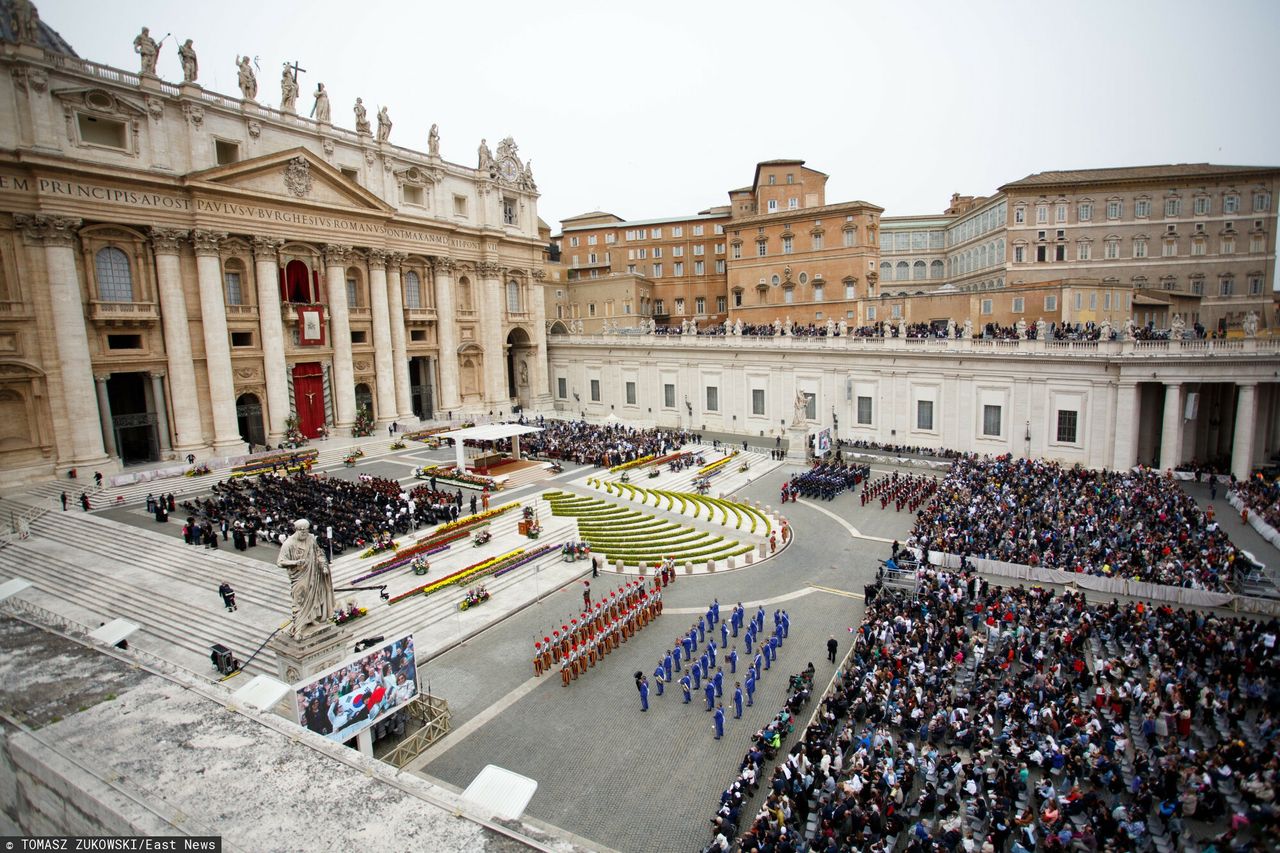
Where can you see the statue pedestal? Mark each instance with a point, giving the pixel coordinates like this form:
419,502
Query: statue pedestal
298,659
797,443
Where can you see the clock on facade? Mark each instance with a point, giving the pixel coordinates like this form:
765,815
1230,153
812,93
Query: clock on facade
508,168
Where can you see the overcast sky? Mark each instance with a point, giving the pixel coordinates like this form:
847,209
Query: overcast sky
656,109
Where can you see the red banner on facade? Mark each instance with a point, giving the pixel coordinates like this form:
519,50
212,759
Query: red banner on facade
311,325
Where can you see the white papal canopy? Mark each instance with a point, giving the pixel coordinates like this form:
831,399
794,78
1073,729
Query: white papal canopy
488,432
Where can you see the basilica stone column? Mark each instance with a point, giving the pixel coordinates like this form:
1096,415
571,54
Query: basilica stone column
399,352
162,412
1125,451
104,414
187,432
344,378
58,235
1171,432
496,393
447,334
1246,415
267,274
217,347
383,372
540,390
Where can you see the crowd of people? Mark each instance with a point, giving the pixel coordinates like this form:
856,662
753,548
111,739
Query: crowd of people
604,445
825,480
1133,524
901,449
1260,497
359,513
980,718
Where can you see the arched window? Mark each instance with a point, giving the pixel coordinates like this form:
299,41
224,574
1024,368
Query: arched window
115,281
412,290
513,297
918,270
902,272
936,269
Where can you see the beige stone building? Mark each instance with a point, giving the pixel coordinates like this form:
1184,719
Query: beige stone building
616,301
181,271
1188,234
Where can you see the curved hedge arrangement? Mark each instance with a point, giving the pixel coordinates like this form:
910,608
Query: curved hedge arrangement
636,537
741,513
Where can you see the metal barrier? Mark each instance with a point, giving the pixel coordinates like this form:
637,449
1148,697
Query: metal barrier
432,712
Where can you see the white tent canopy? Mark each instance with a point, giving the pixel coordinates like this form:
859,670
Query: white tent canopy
488,432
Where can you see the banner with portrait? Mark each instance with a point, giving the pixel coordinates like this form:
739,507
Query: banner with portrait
311,325
351,697
822,442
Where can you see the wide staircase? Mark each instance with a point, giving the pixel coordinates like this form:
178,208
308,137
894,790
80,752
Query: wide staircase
90,570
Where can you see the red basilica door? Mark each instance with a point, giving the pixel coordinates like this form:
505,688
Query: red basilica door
308,397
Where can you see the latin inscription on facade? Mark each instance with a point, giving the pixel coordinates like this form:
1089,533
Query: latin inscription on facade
167,201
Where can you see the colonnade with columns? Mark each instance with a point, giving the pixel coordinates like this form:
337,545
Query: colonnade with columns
185,423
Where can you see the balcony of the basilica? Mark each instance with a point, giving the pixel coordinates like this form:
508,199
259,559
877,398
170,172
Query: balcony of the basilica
112,313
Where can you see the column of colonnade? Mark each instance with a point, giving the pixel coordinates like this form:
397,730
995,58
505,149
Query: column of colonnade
399,350
336,258
496,392
446,333
383,369
57,236
266,261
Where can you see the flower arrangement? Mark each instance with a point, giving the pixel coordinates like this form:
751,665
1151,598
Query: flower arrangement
718,464
349,613
475,570
634,463
398,444
425,548
364,423
472,519
380,547
198,470
494,567
293,433
449,475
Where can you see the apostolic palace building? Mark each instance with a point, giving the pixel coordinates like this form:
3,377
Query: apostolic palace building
187,272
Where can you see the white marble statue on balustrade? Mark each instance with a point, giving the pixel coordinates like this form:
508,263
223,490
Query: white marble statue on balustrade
288,90
844,328
362,117
902,327
320,109
526,180
145,46
1020,328
246,78
831,327
485,158
951,327
1177,327
1250,325
1129,329
190,66
737,328
1105,330
777,326
384,125
968,329
433,141
728,327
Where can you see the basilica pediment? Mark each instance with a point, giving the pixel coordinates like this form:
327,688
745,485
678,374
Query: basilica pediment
296,174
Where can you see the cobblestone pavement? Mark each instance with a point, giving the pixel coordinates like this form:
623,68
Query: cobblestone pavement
637,781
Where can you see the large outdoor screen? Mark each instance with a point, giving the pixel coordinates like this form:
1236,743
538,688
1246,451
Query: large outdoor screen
349,698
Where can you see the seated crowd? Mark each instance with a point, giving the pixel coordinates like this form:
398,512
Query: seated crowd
1261,497
360,513
981,718
1139,525
604,445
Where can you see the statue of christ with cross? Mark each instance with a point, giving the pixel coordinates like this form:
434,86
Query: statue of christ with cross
289,87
